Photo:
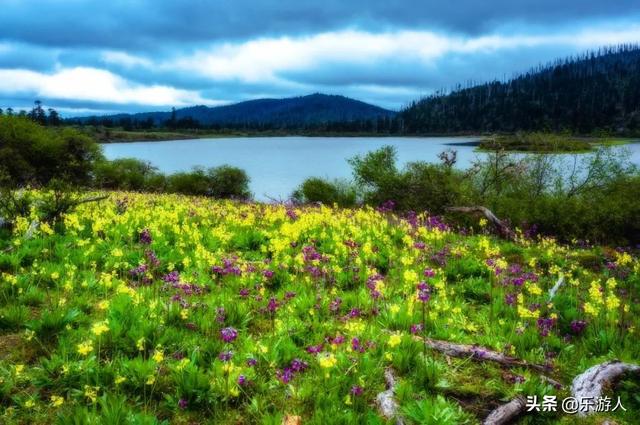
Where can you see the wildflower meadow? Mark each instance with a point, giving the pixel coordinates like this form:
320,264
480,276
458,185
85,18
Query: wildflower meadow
159,309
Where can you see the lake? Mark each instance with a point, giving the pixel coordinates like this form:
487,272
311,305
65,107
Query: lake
277,165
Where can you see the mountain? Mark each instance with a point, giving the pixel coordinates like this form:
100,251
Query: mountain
294,112
597,91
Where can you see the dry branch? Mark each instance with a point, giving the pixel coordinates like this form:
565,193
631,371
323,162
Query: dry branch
386,401
91,199
478,353
554,290
507,412
590,383
503,230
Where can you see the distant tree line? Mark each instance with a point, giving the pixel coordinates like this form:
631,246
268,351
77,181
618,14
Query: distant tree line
381,125
596,91
38,114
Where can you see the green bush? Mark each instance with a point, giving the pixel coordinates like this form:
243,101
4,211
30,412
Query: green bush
228,182
418,187
594,198
32,154
195,182
316,189
128,174
219,182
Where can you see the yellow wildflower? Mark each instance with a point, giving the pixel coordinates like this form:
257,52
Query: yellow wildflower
84,348
99,328
56,400
394,340
327,360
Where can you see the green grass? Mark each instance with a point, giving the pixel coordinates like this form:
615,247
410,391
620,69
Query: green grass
115,314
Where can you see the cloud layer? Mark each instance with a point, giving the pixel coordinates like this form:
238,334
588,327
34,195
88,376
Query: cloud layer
90,56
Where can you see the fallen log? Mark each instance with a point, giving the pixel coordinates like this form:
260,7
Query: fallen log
507,412
503,230
590,384
386,401
554,290
478,353
91,199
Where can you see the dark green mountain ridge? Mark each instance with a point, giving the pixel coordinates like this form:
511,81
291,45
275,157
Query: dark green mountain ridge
291,112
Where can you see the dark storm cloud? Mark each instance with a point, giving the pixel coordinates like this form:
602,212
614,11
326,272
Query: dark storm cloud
443,73
133,55
151,24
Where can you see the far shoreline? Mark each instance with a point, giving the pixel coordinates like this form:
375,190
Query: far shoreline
122,136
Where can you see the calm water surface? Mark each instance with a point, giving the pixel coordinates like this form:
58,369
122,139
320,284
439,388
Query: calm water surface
277,165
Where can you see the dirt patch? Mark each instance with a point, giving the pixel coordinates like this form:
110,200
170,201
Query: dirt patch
14,348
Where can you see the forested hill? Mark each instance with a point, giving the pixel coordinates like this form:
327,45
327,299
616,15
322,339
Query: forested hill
295,112
596,91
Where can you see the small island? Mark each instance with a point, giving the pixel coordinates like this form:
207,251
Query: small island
539,142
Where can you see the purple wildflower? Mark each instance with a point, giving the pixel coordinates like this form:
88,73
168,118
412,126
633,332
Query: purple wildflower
272,305
285,376
145,237
298,365
314,349
228,334
339,339
152,258
356,345
173,277
357,390
578,326
334,305
545,325
225,356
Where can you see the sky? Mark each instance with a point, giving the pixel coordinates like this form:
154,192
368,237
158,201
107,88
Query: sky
85,57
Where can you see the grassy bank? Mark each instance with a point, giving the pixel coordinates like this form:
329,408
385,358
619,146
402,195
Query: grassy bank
173,309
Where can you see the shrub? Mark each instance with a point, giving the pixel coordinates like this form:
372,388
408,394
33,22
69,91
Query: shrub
419,186
316,189
194,182
32,154
128,174
219,182
228,182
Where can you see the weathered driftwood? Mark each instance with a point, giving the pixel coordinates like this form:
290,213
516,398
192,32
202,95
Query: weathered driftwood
507,412
590,383
554,290
91,199
477,353
386,401
503,230
552,381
